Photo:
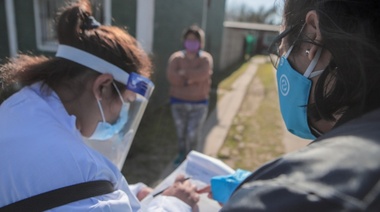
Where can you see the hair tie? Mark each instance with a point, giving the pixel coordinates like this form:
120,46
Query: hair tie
90,23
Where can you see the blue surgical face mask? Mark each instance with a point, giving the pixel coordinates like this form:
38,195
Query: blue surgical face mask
105,130
294,90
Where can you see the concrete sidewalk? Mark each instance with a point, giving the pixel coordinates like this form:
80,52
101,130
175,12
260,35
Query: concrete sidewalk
219,121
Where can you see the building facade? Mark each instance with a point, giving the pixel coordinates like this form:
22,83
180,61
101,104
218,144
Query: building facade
234,35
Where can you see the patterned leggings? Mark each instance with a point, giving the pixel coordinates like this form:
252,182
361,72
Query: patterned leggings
189,119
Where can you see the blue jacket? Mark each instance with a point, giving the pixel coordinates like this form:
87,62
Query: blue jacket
340,171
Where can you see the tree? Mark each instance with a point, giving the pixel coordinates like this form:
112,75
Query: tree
247,14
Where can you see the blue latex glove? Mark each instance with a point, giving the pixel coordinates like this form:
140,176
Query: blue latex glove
223,186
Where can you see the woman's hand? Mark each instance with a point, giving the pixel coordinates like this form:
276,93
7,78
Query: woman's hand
143,193
183,190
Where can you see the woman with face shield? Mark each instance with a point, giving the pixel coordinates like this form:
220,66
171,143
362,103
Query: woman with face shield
94,92
328,76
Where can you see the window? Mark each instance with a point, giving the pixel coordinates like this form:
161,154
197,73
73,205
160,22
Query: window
45,12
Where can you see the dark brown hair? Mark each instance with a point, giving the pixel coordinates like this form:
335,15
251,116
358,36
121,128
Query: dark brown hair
350,85
75,28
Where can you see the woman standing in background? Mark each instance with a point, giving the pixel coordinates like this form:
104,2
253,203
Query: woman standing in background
189,74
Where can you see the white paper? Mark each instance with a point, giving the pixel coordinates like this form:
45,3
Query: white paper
200,168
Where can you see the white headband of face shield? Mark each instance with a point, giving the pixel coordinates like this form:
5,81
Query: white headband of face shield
133,81
92,61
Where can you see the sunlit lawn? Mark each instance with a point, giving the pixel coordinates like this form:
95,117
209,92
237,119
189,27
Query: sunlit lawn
255,134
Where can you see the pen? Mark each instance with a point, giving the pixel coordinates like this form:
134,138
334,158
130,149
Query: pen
160,192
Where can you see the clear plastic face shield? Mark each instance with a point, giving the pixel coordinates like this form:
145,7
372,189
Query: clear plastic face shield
136,97
117,147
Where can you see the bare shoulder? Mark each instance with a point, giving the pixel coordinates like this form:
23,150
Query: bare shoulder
206,56
176,55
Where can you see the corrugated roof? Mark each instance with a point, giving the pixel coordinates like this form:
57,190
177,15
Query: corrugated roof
253,26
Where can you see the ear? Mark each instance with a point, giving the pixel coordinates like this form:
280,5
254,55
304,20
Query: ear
101,85
313,32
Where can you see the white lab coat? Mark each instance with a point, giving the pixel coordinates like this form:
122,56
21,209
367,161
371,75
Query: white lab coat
41,150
